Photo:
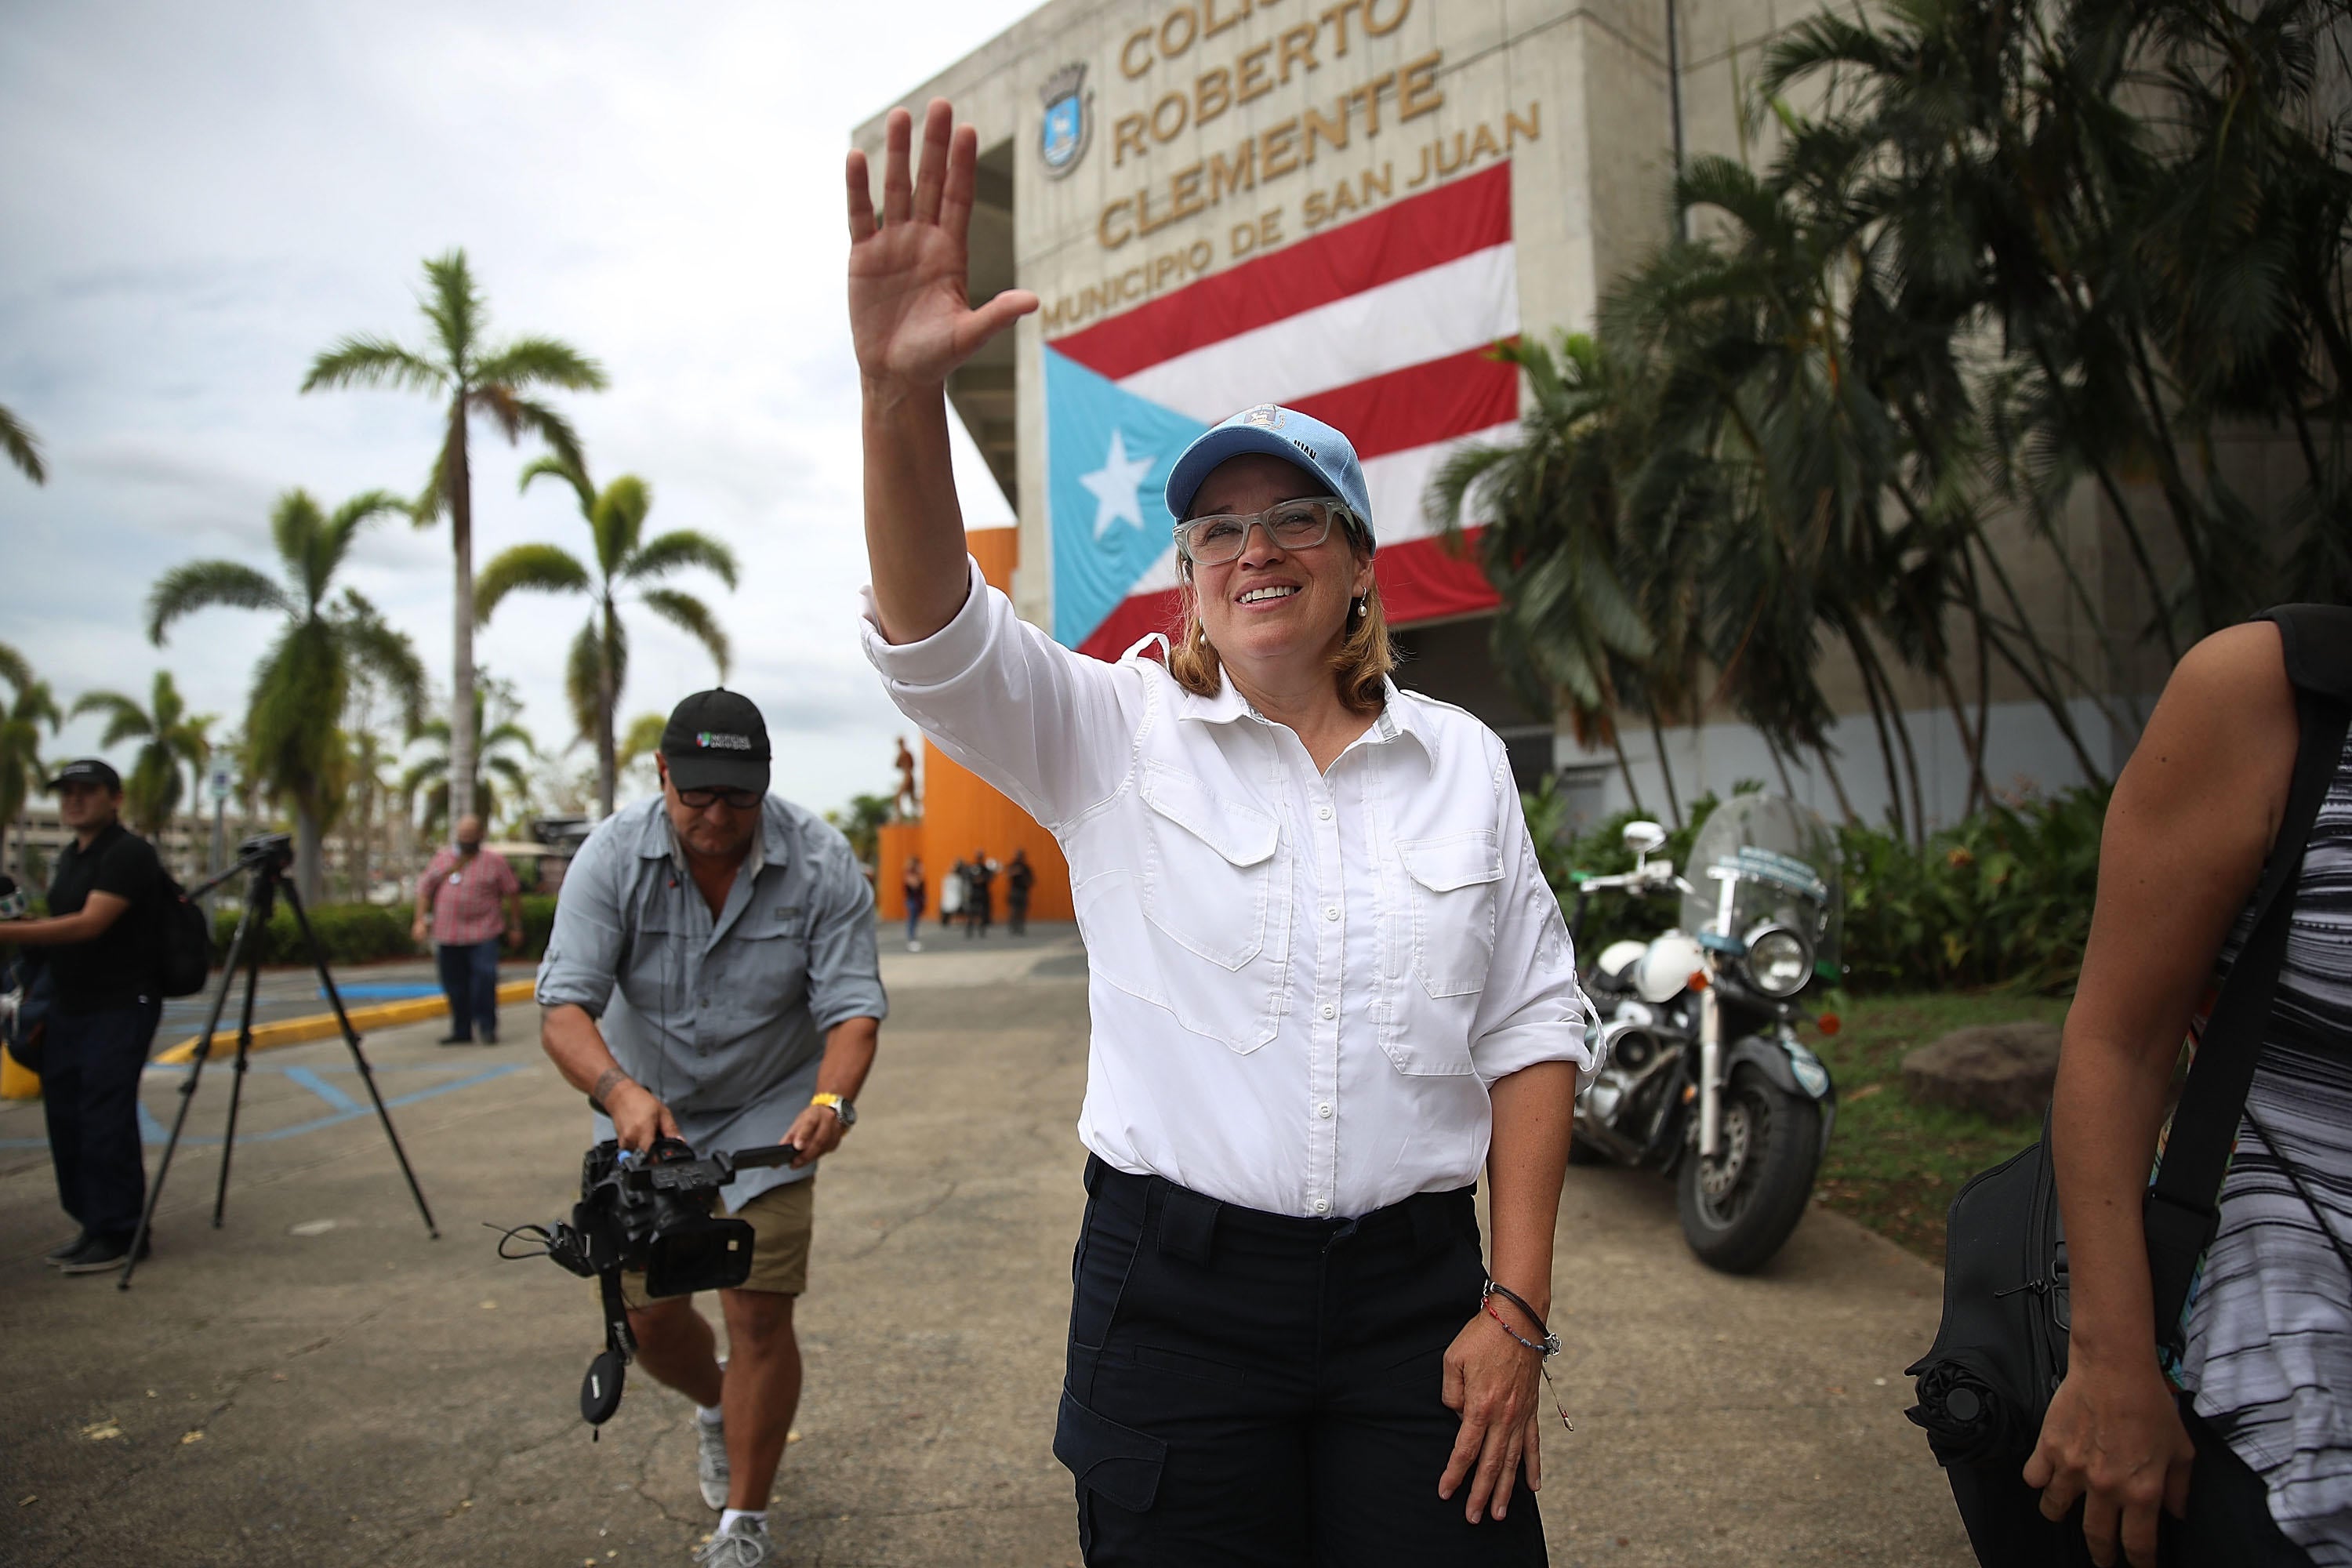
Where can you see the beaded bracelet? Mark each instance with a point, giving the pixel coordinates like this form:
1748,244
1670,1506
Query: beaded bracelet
1544,1349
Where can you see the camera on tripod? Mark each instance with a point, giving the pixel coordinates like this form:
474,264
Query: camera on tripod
648,1212
265,852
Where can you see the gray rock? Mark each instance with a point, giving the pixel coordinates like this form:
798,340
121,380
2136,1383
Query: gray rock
2004,1070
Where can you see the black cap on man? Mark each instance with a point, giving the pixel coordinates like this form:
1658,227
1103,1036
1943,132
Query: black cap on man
717,739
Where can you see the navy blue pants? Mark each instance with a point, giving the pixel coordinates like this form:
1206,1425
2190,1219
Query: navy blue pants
89,1092
1246,1388
469,978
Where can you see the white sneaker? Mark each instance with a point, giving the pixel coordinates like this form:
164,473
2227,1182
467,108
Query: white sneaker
914,947
748,1545
711,1461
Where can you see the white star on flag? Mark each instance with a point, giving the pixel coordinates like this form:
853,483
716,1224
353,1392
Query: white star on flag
1115,485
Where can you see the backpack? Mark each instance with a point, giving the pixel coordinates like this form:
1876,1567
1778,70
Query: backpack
184,950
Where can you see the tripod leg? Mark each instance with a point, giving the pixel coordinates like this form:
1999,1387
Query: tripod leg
358,1057
188,1093
260,899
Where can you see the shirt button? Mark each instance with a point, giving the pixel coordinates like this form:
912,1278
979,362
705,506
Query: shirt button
1324,811
1324,1110
1330,1011
1330,911
1322,1205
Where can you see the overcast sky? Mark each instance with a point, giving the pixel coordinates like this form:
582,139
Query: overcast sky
202,197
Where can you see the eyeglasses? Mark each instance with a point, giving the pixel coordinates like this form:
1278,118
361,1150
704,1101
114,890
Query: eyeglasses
737,799
1221,537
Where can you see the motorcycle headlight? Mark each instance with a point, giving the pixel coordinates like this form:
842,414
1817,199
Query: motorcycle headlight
1780,961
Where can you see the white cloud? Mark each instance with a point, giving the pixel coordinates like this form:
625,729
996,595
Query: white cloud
203,198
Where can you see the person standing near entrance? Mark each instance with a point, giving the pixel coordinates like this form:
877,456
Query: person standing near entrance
460,894
711,977
104,940
1019,877
980,898
911,888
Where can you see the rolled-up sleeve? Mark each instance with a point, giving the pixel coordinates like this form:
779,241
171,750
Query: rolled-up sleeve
844,977
1051,728
1532,1010
584,951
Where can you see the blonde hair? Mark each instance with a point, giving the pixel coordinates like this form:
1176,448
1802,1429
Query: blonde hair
1360,665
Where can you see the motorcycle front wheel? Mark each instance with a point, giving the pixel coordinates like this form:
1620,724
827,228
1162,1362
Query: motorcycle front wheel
1739,1207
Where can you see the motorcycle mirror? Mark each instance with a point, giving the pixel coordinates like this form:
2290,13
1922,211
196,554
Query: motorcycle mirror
1644,837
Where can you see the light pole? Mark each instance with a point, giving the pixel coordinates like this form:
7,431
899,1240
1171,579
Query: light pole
220,826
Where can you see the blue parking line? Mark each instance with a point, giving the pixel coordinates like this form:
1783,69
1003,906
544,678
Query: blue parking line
154,1133
311,1080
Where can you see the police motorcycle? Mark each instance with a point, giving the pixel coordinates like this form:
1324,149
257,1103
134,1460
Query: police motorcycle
1704,1077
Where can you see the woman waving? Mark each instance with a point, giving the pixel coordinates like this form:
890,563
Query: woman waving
1328,984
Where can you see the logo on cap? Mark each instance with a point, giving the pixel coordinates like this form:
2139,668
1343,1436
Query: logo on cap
1266,416
719,740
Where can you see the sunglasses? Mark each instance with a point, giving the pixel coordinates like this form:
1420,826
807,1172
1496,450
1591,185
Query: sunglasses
1221,537
737,799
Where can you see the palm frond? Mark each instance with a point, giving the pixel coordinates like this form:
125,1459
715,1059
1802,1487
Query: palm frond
570,474
455,307
536,568
365,360
692,616
125,720
23,447
183,590
617,520
13,667
642,738
677,551
532,362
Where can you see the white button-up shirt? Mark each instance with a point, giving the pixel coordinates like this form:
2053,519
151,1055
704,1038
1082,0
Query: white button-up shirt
1302,982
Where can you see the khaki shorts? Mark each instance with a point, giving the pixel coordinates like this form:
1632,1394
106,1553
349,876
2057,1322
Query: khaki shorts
781,1220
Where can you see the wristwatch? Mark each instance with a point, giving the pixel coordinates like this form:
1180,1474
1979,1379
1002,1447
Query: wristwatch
839,1106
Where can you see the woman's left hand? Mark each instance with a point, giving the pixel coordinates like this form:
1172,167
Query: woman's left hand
1490,1381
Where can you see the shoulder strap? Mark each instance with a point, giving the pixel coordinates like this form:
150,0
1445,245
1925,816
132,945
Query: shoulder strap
2183,1207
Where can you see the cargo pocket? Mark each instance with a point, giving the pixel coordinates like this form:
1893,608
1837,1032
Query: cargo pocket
1118,1464
1453,893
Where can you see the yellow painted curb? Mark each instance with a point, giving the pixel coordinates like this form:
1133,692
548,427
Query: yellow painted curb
322,1026
17,1081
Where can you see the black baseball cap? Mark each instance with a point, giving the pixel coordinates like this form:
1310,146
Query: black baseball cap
717,739
87,769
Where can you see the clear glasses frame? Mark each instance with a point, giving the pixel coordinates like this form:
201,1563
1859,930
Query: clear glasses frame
1221,537
700,799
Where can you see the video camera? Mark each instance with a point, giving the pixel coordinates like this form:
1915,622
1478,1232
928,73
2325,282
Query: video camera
649,1212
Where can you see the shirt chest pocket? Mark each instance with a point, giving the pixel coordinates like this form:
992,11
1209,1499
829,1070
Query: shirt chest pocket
1450,884
761,969
1208,869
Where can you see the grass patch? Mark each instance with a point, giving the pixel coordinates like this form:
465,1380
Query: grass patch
1893,1165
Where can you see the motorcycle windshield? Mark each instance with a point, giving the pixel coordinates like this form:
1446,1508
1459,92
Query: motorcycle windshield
1781,863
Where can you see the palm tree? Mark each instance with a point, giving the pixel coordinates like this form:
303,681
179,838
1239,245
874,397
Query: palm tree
598,666
30,707
475,377
640,741
173,739
294,748
505,751
24,449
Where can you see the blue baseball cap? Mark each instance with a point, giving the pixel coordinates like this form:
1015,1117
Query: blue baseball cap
1278,432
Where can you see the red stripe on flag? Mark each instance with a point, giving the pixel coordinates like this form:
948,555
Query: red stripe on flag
1434,401
1409,237
1421,580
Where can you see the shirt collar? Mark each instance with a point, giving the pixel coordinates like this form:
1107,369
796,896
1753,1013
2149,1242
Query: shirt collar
659,840
1396,718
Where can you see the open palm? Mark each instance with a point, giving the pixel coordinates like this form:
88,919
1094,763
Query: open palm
909,312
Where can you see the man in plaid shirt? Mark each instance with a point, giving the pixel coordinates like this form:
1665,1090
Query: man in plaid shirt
460,893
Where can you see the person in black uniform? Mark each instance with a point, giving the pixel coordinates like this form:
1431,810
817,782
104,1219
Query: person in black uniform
104,943
1019,877
978,898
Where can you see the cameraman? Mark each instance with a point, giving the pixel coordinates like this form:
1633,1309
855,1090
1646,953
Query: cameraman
711,977
105,947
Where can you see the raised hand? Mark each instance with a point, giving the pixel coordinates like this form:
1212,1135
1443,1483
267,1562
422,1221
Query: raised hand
910,316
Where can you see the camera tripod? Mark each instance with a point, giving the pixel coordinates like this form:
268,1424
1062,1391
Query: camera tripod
264,859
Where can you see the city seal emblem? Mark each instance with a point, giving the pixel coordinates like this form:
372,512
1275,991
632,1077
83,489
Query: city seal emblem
1069,121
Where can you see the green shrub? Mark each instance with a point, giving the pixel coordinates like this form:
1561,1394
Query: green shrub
360,933
2002,898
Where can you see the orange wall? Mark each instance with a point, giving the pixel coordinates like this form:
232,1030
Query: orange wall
961,814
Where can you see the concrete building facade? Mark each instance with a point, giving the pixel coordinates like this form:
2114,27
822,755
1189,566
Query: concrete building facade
1131,149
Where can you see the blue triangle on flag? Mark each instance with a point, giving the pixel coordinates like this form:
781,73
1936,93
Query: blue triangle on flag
1107,456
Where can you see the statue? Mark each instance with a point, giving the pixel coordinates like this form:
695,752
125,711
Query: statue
905,800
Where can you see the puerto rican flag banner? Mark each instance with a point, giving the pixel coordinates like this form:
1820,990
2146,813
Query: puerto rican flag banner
1380,327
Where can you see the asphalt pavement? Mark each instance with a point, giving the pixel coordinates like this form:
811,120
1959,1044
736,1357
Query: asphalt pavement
318,1382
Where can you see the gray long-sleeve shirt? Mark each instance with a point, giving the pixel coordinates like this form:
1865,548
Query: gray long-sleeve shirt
724,1019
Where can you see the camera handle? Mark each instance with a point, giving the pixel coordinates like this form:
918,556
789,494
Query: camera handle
599,1391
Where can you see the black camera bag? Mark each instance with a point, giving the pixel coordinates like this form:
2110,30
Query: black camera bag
2000,1352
